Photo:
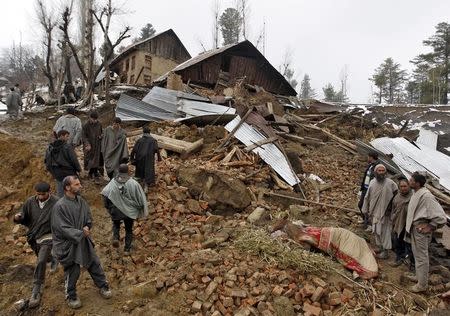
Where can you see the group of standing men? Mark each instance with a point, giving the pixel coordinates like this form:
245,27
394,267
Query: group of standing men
402,216
60,226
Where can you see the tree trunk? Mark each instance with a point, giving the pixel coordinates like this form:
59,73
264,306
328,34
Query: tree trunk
48,69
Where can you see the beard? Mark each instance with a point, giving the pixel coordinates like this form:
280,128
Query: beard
380,177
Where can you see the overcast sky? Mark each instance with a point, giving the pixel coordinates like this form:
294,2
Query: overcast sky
323,35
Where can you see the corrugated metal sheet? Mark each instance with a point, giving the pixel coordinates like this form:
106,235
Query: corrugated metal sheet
270,153
166,99
411,158
428,138
131,109
195,108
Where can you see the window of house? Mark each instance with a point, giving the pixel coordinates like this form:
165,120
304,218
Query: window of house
127,65
147,80
133,62
148,61
131,79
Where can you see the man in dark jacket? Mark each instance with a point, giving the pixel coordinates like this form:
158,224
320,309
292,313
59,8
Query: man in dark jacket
143,157
92,145
61,160
372,160
36,215
72,243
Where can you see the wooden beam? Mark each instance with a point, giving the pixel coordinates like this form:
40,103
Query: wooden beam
441,196
332,136
302,140
179,146
260,143
312,202
227,139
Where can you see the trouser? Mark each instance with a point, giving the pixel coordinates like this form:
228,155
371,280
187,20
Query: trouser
43,256
72,273
419,244
399,245
128,222
59,188
93,172
365,217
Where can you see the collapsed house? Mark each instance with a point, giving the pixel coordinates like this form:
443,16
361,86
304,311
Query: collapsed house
142,62
222,66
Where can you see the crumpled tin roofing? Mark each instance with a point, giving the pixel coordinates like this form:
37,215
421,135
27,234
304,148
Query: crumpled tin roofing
195,108
131,109
411,158
270,153
166,99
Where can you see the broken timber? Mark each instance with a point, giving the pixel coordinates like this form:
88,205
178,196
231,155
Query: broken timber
179,146
312,202
227,139
260,143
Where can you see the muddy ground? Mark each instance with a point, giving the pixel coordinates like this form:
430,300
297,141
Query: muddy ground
176,268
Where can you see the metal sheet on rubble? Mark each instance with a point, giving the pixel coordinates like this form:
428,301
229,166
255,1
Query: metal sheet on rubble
270,153
428,138
167,99
195,108
411,158
131,109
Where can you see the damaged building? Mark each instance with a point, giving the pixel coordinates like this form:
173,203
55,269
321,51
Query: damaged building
222,66
148,59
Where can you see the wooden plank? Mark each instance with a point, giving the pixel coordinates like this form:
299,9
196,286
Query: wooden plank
260,143
229,156
227,139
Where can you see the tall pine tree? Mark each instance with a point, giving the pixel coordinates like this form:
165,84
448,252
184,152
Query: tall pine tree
306,91
329,93
389,79
230,25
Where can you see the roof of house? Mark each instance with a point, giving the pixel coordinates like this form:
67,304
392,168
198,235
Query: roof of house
136,45
244,45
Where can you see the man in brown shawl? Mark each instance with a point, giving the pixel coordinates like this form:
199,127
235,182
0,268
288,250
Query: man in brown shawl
92,146
398,216
424,216
114,147
377,203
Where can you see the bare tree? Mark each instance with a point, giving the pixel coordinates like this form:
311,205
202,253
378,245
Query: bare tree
103,18
216,24
262,38
286,68
104,21
243,6
48,22
343,78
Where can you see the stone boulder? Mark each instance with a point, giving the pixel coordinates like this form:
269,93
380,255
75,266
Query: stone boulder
222,192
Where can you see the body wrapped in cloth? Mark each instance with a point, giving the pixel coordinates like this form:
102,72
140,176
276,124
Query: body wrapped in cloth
349,249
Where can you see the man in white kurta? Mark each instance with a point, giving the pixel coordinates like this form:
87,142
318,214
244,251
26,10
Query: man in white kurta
376,205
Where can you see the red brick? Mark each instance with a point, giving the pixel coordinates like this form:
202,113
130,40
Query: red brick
311,310
317,295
